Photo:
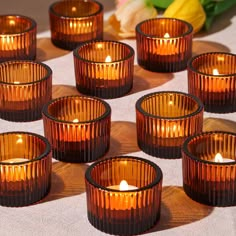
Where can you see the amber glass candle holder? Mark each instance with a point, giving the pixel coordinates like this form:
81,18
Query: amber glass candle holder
123,195
25,168
212,78
164,44
104,68
25,86
74,22
17,38
165,119
209,168
78,128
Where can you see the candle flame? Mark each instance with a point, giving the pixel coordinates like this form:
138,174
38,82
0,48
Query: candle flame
108,59
218,158
19,140
73,9
166,35
215,72
124,185
75,120
12,22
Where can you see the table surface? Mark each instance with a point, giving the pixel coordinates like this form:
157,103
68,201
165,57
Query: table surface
63,211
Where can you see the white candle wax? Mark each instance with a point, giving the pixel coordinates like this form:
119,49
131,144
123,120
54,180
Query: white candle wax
219,159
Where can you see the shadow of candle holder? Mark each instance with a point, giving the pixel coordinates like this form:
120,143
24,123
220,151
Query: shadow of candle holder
46,50
67,180
178,209
123,138
144,79
59,90
201,46
219,124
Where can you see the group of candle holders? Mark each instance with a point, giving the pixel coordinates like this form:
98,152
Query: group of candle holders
77,128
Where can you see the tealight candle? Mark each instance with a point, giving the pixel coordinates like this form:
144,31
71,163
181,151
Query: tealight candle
25,86
211,77
165,119
77,127
164,44
17,38
123,186
75,22
132,209
25,168
208,177
104,68
218,158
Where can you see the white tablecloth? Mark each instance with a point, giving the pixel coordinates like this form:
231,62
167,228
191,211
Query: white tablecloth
180,215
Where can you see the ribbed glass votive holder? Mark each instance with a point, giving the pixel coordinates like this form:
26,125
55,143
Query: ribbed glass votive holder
164,44
209,168
25,86
123,195
17,38
25,168
74,22
165,119
77,127
212,78
104,68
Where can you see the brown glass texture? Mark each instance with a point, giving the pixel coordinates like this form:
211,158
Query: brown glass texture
161,53
165,119
97,76
75,22
17,38
25,168
123,212
204,180
216,89
25,86
78,128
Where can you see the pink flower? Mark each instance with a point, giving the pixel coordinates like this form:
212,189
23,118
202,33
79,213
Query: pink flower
120,2
129,14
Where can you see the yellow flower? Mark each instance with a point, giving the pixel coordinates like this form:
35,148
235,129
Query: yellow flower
187,10
129,14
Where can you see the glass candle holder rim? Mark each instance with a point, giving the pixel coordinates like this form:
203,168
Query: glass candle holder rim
158,170
31,20
196,99
77,55
44,154
105,114
189,31
11,62
191,60
51,9
193,157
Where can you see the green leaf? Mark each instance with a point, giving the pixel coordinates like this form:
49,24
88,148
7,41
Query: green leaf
220,7
161,3
214,8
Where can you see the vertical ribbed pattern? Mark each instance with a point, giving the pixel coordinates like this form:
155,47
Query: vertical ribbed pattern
26,182
204,180
17,38
103,79
217,92
123,212
157,53
164,120
75,22
25,86
84,140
